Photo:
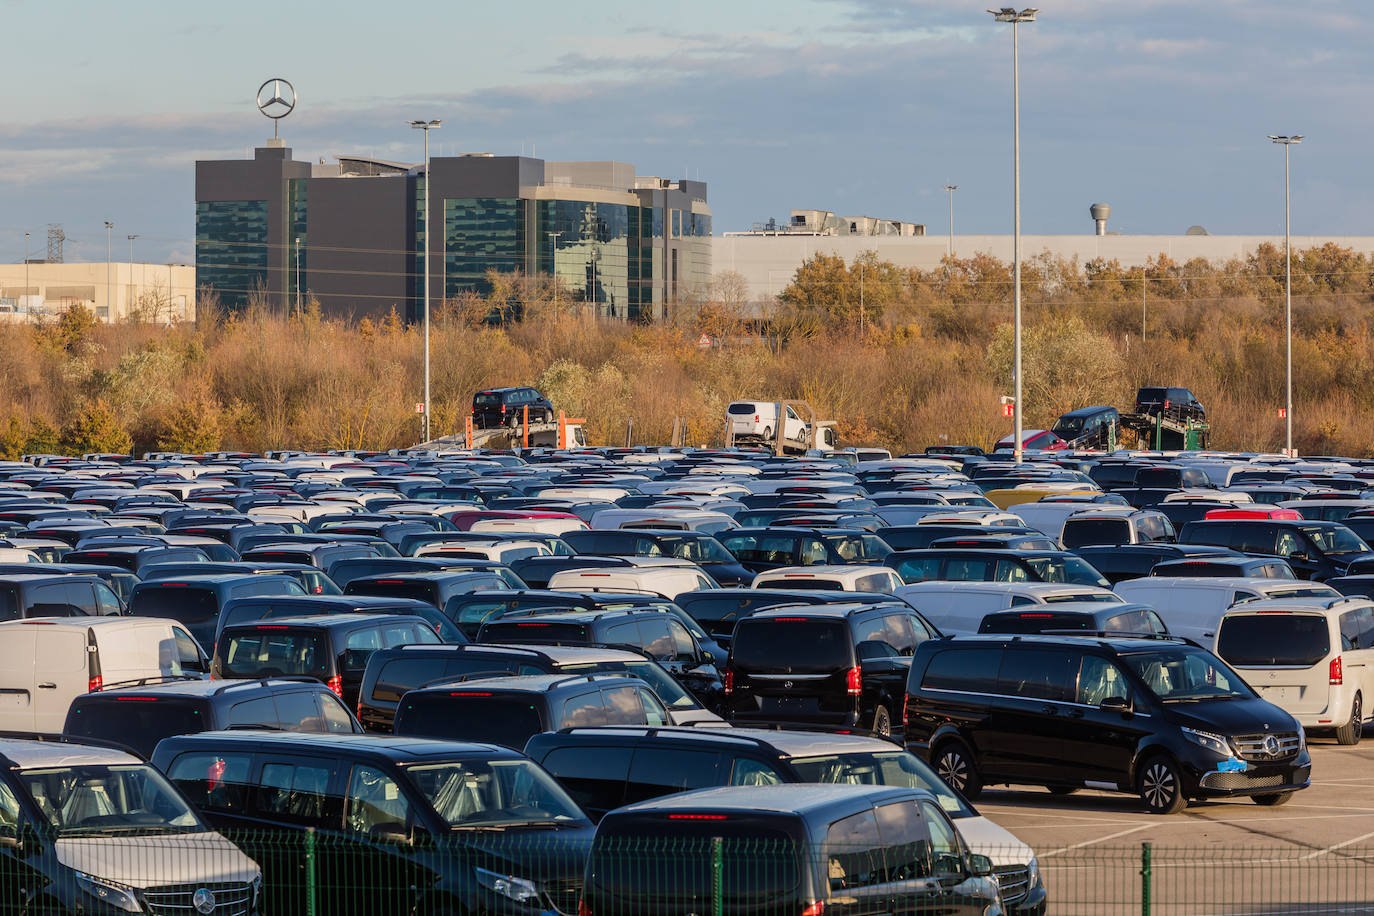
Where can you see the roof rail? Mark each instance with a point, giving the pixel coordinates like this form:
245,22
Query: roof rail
460,678
52,738
263,682
146,681
651,731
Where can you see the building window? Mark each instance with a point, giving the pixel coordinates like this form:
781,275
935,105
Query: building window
231,250
296,205
481,234
677,224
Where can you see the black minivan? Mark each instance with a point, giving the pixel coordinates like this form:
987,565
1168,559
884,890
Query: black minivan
1315,550
841,665
398,825
1158,717
794,849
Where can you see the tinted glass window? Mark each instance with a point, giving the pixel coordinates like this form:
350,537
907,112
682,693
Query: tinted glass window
1273,639
184,605
1217,535
746,772
9,604
656,638
853,854
798,644
585,710
259,711
299,711
51,601
106,603
375,800
531,631
623,706
1095,531
402,674
505,720
963,570
1256,538
140,724
293,791
214,782
813,553
749,548
395,588
967,670
269,653
656,772
1038,674
906,850
1099,679
593,776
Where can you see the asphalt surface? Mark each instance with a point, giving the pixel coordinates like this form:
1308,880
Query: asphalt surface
1313,855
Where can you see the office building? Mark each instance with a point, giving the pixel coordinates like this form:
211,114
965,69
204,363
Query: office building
279,232
114,291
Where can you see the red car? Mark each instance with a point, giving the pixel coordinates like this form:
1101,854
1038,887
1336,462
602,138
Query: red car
1035,439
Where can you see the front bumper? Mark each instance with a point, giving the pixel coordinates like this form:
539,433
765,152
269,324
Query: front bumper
1235,777
1036,903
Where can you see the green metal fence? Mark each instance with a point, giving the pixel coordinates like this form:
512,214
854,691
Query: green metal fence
305,873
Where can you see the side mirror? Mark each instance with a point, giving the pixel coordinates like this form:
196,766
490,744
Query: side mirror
9,839
979,866
1115,704
1299,555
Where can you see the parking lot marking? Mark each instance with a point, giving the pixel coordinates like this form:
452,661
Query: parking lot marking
1110,836
1333,848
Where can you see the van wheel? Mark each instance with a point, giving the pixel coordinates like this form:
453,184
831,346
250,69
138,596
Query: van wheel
882,722
768,433
1161,786
1351,732
1272,801
954,764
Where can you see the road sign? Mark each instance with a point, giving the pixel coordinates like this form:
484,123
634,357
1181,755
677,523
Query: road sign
419,407
1008,410
704,341
1283,413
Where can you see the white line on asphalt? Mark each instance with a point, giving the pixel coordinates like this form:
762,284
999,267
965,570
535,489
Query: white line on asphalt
1322,852
1110,836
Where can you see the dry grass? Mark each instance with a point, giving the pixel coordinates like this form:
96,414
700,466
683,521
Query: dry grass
928,365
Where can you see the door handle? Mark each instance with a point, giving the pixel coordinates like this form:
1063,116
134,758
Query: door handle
1075,713
47,685
1049,710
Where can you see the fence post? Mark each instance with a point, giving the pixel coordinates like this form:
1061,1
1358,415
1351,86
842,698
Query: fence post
310,871
717,868
629,430
1145,879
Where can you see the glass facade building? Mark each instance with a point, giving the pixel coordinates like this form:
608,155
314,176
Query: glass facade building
231,250
481,234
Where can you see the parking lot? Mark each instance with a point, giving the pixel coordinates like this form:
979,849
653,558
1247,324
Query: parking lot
1314,854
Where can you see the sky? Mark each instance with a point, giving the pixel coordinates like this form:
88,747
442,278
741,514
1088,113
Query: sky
1158,107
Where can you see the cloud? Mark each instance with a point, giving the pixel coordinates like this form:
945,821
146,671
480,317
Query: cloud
1174,47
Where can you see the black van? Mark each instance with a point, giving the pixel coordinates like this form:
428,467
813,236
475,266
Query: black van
397,825
843,665
1171,403
988,565
506,407
270,607
1161,718
1134,561
717,610
136,558
435,587
762,549
1315,550
794,849
140,717
391,673
195,601
657,632
1088,427
509,710
334,650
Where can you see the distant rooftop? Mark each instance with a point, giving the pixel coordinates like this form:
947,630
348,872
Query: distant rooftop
826,223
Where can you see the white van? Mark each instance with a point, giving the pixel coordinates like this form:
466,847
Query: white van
1313,658
555,526
759,419
665,581
664,519
497,551
45,663
1192,606
958,608
1047,516
839,578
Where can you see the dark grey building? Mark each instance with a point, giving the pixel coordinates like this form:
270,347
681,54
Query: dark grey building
350,235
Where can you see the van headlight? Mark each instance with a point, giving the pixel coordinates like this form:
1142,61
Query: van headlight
116,895
517,889
1033,871
257,890
1302,736
1210,740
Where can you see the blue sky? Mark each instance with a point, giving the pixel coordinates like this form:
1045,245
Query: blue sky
1158,107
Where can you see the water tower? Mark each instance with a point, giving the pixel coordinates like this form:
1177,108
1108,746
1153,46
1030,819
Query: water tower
1100,213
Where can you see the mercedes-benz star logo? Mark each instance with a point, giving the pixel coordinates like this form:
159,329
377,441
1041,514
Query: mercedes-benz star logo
276,98
787,685
204,901
1271,745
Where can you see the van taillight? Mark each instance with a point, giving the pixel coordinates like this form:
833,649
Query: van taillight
815,909
1337,676
729,682
854,682
583,909
95,684
756,418
335,684
906,702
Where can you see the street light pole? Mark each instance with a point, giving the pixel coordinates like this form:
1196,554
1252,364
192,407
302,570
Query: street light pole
1009,14
426,126
1287,142
26,270
109,304
298,285
951,188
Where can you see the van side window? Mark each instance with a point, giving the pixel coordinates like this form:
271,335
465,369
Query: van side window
293,791
623,634
968,570
1366,618
594,776
1010,571
919,569
9,812
662,771
813,553
1258,538
51,601
852,851
188,653
584,710
213,782
654,711
1021,601
966,670
1351,631
746,772
106,602
1039,674
1099,679
337,721
375,800
359,646
299,710
655,637
623,706
906,846
945,855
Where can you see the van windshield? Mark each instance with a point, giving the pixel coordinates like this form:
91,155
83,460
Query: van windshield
276,651
1068,570
1187,675
471,794
669,691
888,768
1273,639
105,800
698,550
1336,539
180,603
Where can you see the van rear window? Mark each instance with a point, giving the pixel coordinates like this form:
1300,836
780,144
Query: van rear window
139,723
964,670
665,865
791,645
1273,639
398,588
273,652
532,631
404,674
1095,532
740,410
182,604
509,721
9,604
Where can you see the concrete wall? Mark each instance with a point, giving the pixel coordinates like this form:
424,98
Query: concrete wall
357,260
159,292
768,263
